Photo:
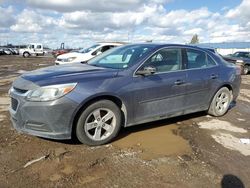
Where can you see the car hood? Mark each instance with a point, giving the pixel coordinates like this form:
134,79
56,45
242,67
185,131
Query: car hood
71,54
64,74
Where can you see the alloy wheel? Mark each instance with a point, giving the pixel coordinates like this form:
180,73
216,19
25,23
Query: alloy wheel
100,124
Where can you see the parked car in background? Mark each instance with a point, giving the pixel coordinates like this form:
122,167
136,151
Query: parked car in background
82,56
242,59
125,86
1,51
229,59
7,51
58,52
33,49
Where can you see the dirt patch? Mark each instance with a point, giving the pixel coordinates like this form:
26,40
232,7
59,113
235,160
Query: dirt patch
216,124
228,140
231,142
2,117
4,101
156,142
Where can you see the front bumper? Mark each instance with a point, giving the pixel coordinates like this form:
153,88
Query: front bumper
51,119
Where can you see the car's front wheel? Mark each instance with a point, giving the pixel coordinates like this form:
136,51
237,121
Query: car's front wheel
220,103
99,123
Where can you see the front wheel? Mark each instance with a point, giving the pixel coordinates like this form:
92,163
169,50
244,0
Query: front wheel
220,103
26,54
99,123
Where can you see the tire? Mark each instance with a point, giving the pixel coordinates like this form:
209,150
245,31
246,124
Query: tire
220,103
26,54
93,129
245,69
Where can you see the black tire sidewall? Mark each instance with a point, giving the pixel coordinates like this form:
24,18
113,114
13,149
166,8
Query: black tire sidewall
80,133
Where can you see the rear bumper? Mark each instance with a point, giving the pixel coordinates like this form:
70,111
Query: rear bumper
236,87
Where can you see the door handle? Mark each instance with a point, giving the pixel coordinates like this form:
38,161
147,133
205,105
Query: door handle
213,76
179,82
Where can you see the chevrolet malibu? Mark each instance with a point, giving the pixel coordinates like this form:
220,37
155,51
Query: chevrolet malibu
125,86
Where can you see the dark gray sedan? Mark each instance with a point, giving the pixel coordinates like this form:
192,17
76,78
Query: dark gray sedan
125,86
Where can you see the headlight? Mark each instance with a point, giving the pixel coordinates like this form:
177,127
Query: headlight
239,61
49,93
69,59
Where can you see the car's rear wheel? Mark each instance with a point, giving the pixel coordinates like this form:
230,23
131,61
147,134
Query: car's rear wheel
220,103
99,123
245,69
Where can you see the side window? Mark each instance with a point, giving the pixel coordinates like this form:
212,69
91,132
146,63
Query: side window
105,48
165,60
210,62
198,59
32,46
97,51
38,46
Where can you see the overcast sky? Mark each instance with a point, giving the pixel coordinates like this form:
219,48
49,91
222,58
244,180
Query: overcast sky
80,22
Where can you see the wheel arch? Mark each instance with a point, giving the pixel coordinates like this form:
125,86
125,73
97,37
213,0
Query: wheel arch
227,85
92,100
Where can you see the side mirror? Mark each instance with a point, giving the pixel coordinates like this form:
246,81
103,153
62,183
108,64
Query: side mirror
146,71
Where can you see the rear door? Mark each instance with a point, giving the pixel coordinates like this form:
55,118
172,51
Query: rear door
202,73
161,94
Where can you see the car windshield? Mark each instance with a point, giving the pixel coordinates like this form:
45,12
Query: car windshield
86,50
121,57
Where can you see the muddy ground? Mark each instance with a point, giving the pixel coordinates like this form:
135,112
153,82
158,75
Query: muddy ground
189,151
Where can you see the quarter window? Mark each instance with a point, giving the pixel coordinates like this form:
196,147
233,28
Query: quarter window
165,60
210,62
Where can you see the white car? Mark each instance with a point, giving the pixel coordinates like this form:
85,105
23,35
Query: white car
85,54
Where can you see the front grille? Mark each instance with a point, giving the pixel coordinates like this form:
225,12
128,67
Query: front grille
14,104
59,59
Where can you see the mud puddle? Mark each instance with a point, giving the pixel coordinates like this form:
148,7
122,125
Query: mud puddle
155,142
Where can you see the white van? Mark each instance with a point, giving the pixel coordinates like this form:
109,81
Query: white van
33,49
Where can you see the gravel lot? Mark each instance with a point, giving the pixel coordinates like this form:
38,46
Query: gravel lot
196,150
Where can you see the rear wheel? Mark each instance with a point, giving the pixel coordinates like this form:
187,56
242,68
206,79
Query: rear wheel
99,123
245,69
220,103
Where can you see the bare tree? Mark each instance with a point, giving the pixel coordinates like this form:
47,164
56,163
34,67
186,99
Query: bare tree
195,39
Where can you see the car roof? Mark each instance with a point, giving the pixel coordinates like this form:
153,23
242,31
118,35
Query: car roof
111,43
162,45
